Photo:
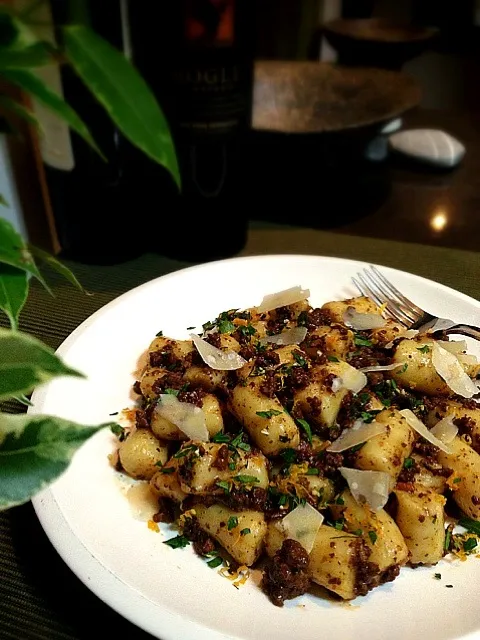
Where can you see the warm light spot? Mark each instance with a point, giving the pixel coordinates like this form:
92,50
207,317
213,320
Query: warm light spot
439,220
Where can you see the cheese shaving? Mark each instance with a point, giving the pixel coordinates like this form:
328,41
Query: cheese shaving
283,299
368,487
216,358
421,429
295,335
189,418
450,369
302,524
363,321
360,432
445,430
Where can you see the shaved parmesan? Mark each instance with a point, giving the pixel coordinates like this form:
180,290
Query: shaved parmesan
437,324
445,430
216,358
187,417
409,333
360,432
283,298
337,384
352,379
467,359
420,428
363,321
454,346
302,524
450,369
382,367
295,335
368,487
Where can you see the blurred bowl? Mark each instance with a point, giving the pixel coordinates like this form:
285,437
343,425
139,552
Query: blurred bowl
376,42
318,97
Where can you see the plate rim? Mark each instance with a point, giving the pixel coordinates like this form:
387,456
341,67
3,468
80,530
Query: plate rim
55,525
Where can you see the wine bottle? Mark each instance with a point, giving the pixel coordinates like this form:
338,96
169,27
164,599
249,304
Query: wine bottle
197,56
92,199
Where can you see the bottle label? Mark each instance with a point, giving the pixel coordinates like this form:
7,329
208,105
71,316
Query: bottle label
212,78
210,22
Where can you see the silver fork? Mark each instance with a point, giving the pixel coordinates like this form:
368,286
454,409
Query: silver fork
373,284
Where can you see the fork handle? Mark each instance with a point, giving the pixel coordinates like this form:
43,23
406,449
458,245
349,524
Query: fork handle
464,330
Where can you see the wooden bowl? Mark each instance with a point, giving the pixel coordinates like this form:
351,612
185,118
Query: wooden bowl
317,97
376,42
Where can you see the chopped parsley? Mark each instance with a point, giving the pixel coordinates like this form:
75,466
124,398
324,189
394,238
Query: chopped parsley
312,471
470,544
181,453
223,484
333,359
302,320
178,542
404,368
268,414
115,413
437,576
289,455
166,470
424,349
373,536
215,562
247,330
339,500
357,532
408,464
472,526
306,427
119,431
226,326
359,341
190,328
299,359
456,480
232,523
172,392
220,438
368,416
159,334
448,538
244,532
245,479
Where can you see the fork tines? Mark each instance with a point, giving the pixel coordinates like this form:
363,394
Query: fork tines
374,285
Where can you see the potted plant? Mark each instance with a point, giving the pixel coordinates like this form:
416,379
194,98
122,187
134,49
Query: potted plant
36,449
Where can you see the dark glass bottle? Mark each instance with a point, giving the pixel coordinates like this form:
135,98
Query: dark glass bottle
92,200
197,56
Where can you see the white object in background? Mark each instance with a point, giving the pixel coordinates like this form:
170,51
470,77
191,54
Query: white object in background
432,146
377,149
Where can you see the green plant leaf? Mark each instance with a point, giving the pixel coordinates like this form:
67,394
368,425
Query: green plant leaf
27,362
12,106
35,55
13,292
35,87
34,451
122,91
14,251
3,201
57,266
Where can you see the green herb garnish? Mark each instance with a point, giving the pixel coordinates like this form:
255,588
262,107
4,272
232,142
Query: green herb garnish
225,326
172,392
362,342
470,544
269,413
424,349
220,438
437,576
159,334
373,536
178,542
223,484
119,431
246,479
408,464
306,427
244,532
333,359
472,526
232,523
215,562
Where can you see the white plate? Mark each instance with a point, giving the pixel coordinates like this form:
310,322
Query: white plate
172,594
